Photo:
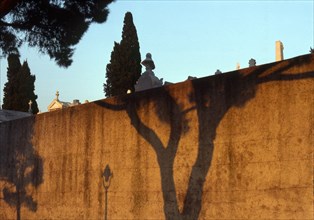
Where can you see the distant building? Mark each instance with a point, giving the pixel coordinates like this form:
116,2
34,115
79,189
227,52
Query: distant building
57,104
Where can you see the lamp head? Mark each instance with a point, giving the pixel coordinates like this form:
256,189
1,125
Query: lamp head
107,174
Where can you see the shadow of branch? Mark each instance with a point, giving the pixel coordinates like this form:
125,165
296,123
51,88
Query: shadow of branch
211,97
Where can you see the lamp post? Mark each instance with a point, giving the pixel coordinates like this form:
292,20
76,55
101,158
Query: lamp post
107,175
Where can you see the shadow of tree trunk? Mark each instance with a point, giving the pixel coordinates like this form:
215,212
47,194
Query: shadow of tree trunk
20,165
212,97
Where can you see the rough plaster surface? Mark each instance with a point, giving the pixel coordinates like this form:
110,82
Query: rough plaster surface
233,146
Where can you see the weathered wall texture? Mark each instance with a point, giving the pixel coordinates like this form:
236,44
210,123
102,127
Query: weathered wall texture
232,146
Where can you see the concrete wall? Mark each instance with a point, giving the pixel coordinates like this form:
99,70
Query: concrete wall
232,146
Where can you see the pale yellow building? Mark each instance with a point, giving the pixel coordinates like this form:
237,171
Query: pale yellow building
57,104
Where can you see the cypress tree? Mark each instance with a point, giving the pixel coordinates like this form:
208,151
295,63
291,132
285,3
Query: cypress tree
10,90
26,89
19,89
125,67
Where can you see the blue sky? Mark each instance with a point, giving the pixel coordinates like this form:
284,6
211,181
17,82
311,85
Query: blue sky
185,38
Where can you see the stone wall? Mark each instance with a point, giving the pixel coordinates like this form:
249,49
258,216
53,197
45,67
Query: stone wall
233,146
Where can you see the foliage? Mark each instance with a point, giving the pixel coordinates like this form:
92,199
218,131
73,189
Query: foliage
311,50
19,89
124,68
11,87
52,26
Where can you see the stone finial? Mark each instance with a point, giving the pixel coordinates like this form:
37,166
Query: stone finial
252,62
218,72
279,50
148,79
30,106
148,62
238,66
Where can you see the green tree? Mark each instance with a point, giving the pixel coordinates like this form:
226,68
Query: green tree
125,67
26,89
11,87
53,26
19,89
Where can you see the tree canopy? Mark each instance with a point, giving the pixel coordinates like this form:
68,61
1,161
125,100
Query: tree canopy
125,67
54,27
19,89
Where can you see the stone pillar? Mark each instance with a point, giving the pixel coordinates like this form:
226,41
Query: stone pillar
279,50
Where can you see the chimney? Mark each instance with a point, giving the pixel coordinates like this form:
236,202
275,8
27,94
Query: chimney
279,50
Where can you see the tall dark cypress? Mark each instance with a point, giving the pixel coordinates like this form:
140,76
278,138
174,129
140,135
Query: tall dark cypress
125,67
19,89
26,89
10,90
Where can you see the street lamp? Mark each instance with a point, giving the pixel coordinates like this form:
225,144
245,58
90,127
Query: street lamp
107,175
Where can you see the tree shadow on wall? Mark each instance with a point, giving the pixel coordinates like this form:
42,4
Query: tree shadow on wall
211,98
21,168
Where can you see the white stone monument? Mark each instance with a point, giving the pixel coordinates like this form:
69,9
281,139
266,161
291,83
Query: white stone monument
279,50
148,79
